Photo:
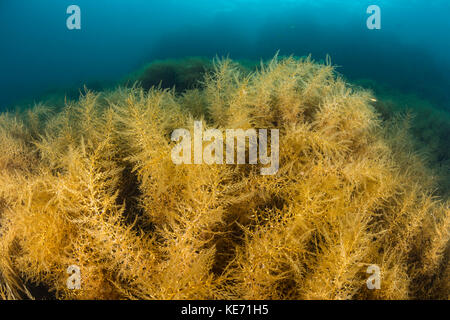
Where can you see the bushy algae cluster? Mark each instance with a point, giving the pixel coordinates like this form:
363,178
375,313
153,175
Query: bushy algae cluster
93,185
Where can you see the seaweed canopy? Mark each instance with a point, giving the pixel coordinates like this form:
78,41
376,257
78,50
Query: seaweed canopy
93,185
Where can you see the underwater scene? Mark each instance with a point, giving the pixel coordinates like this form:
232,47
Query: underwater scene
225,150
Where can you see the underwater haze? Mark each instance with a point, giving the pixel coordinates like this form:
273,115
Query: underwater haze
410,53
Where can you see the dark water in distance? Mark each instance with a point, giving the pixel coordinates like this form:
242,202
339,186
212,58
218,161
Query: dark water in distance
410,52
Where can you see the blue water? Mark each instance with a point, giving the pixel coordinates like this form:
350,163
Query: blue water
411,51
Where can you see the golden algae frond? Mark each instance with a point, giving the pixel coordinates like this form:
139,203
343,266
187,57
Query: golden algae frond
94,185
